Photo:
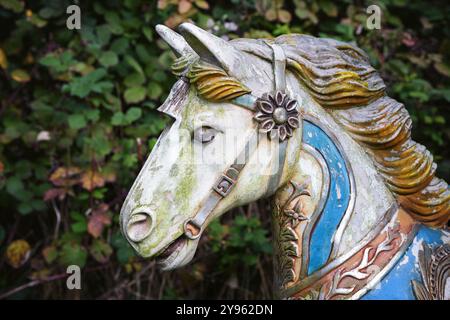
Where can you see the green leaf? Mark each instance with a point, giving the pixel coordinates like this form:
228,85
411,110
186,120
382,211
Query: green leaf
439,120
134,80
148,33
345,30
152,143
398,66
79,227
38,204
37,21
114,22
135,95
103,34
124,251
77,121
50,60
445,93
25,208
134,64
100,144
73,254
14,185
118,119
120,45
133,114
108,59
84,85
92,115
166,59
111,102
59,62
100,251
14,5
25,196
422,96
154,90
99,193
143,54
77,216
50,12
328,7
159,76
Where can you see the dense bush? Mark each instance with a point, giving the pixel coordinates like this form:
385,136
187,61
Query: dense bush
78,119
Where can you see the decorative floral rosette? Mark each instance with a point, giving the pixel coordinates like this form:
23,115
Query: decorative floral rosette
277,115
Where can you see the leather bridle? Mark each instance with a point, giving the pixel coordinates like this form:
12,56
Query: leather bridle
193,227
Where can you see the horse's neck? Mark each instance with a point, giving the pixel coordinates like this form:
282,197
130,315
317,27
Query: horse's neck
333,201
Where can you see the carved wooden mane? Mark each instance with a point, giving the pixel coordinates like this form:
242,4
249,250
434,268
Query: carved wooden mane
340,78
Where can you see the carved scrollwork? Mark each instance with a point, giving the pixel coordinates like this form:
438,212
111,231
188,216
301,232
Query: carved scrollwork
434,266
287,218
361,271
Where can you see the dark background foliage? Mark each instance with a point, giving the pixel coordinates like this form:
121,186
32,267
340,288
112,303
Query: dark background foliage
78,119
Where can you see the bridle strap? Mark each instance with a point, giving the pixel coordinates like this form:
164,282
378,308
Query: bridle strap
279,67
279,73
193,227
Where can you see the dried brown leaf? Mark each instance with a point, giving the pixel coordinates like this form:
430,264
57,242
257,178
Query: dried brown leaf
98,220
184,6
92,179
65,176
3,60
53,193
284,16
271,14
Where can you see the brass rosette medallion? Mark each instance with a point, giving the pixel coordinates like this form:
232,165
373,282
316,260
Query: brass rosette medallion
277,115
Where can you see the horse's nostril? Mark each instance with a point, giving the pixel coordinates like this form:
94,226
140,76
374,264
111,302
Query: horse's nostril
138,227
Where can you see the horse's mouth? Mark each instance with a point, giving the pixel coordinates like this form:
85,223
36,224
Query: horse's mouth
171,250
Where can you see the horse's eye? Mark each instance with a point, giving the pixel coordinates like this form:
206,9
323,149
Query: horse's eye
204,134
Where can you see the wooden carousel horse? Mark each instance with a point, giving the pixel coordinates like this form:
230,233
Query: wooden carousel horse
357,210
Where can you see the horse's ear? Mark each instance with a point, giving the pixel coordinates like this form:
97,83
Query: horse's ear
176,42
211,48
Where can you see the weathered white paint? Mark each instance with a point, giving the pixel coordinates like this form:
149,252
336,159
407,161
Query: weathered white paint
173,183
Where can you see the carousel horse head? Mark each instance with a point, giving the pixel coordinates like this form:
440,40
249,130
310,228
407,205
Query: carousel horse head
212,157
301,118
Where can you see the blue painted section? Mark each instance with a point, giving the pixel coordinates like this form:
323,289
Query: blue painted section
396,285
246,101
338,195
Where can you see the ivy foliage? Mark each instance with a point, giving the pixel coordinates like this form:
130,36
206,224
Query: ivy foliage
78,119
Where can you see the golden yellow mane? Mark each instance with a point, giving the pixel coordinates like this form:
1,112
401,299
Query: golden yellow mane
212,82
